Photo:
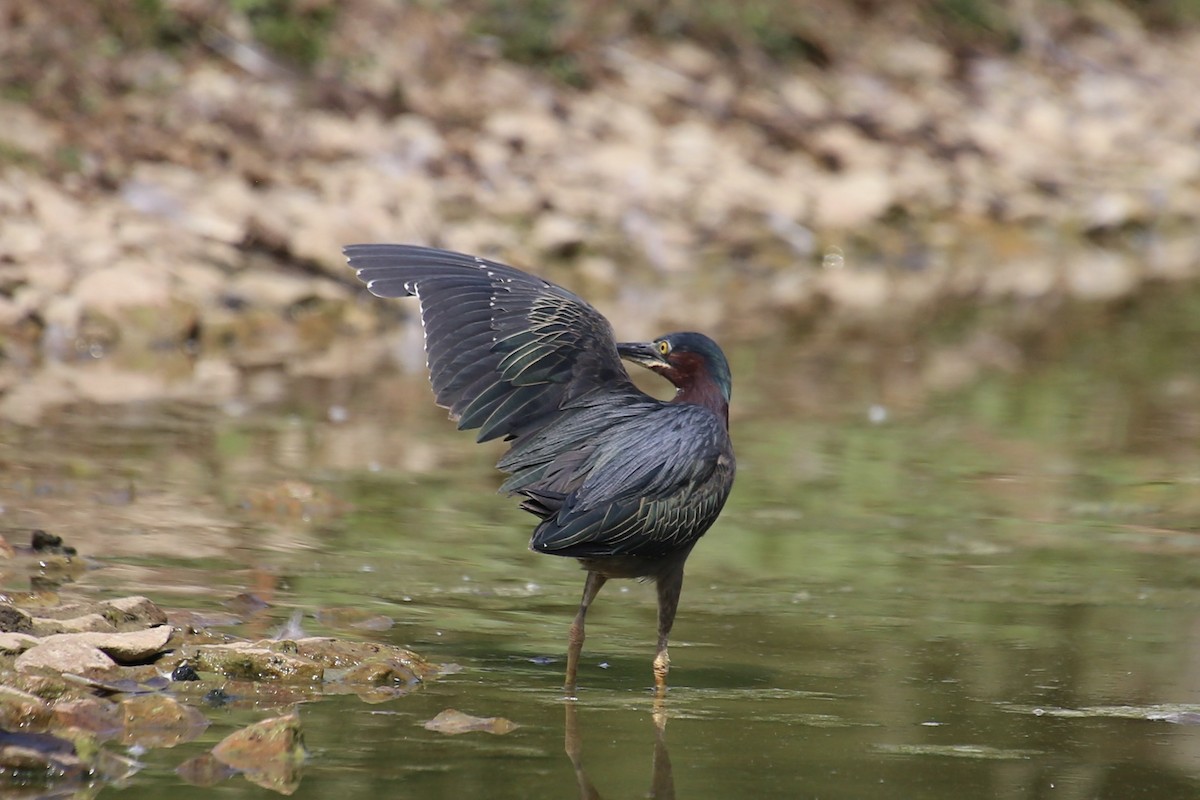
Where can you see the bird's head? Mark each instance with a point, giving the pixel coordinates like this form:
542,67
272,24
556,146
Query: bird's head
691,361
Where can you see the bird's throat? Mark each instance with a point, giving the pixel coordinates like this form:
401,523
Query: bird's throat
704,393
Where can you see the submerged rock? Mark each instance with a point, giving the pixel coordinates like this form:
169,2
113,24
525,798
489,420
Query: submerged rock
159,720
451,722
269,753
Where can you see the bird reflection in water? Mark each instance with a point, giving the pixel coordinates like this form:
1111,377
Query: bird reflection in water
662,779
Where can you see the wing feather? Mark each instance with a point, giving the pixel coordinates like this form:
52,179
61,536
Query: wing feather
507,352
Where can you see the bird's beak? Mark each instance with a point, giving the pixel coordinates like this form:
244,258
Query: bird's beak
643,353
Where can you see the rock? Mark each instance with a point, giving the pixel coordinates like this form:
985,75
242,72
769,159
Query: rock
389,672
20,709
859,290
16,643
27,133
269,753
132,647
113,289
134,610
1100,275
64,656
557,234
100,718
14,620
80,624
340,653
159,720
852,200
916,60
250,662
41,758
452,722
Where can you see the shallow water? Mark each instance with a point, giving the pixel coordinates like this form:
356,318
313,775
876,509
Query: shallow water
990,591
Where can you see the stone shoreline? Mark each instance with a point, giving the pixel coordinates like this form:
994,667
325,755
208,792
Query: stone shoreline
198,237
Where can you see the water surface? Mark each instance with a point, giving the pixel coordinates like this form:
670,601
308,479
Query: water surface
988,590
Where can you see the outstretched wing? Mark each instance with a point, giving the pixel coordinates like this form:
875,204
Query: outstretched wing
508,353
651,484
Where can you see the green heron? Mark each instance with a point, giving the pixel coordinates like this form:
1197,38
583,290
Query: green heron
621,481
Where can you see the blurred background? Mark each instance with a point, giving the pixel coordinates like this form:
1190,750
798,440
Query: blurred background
950,246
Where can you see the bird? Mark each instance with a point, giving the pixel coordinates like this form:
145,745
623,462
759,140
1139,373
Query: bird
618,479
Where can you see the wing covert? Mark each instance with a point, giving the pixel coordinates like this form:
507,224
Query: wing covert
507,351
649,485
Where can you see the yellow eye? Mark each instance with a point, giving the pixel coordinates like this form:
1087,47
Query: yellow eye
664,347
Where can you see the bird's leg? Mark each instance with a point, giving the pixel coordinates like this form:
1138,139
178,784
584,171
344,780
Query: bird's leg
575,638
669,587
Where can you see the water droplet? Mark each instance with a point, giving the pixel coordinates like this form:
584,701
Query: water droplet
834,258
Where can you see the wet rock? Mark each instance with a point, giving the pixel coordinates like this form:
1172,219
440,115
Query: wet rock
452,722
247,604
134,682
248,661
42,542
132,611
14,620
340,653
100,718
269,753
159,720
199,621
22,710
41,758
64,656
389,672
184,672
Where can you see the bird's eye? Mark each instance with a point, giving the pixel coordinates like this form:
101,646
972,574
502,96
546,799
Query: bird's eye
664,347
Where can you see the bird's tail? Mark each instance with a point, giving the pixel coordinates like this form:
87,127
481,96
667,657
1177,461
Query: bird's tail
541,503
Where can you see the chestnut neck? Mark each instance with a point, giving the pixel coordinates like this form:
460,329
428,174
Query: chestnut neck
693,384
704,393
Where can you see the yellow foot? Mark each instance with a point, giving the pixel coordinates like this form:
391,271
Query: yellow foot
662,665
